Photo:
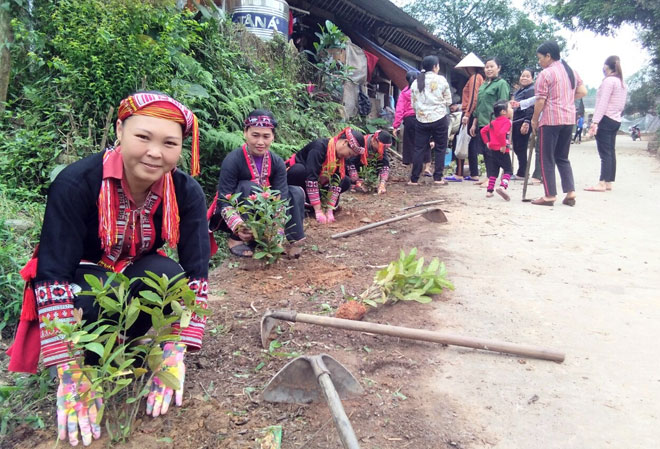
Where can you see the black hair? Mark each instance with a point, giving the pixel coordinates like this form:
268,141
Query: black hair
411,76
496,60
385,137
528,69
428,63
260,112
552,48
498,107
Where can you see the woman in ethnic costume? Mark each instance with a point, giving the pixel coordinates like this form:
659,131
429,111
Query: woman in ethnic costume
112,211
320,168
375,149
246,168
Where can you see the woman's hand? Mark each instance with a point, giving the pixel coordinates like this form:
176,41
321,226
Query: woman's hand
78,406
320,216
244,234
535,124
395,132
514,104
524,128
158,401
473,129
330,216
593,129
381,188
465,120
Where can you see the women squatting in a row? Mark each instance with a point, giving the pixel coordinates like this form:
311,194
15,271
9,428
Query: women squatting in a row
113,211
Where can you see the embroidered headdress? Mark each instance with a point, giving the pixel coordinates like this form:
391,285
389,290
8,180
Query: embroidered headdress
163,106
152,105
356,148
260,121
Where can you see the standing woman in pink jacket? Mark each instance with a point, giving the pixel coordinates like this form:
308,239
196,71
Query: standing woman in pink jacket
406,114
610,101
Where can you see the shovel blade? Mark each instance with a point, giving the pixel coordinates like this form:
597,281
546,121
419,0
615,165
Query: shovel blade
436,215
297,383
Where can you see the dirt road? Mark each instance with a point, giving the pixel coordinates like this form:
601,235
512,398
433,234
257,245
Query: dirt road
582,280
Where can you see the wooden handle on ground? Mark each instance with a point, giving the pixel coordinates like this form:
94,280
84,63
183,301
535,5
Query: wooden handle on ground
425,335
380,223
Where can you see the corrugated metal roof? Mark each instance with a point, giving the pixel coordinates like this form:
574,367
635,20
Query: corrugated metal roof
383,21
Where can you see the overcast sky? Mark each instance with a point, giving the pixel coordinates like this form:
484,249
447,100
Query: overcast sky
586,51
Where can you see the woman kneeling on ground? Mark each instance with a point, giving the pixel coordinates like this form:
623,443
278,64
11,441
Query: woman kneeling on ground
320,168
112,211
248,168
375,150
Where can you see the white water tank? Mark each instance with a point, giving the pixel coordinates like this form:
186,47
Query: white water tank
263,18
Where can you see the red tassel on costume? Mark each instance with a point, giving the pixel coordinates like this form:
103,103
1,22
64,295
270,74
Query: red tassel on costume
194,159
29,309
170,228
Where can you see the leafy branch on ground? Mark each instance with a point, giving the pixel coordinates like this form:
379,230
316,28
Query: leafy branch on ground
407,279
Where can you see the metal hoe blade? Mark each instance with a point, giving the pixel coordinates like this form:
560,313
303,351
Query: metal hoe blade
296,382
307,379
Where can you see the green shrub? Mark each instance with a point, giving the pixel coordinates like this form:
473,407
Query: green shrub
15,249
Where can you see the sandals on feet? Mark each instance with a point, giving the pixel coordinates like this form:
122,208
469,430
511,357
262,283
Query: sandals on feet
543,202
241,250
410,183
453,178
501,192
441,182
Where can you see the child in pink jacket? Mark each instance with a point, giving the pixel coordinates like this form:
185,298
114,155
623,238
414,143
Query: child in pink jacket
495,136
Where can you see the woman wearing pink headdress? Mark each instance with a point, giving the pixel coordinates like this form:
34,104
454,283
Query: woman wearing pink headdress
112,211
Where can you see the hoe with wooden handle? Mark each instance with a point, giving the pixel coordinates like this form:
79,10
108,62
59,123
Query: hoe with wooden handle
270,318
434,214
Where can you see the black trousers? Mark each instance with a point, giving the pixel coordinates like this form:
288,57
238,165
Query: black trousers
578,135
473,154
555,143
155,263
409,126
520,142
438,132
537,161
605,140
497,160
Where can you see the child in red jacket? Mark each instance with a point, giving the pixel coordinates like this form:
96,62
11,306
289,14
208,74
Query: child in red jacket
495,137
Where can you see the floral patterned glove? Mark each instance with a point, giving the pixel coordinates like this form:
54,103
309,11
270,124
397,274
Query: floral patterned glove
77,405
158,401
320,217
330,215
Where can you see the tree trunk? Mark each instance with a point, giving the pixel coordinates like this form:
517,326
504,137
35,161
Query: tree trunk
6,38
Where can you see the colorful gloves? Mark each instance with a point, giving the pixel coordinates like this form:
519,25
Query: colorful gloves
320,217
330,216
158,401
77,405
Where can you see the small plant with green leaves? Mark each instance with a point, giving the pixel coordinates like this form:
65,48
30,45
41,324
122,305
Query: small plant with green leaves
126,367
407,279
264,213
369,173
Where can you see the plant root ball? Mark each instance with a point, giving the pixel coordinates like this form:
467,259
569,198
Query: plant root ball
351,310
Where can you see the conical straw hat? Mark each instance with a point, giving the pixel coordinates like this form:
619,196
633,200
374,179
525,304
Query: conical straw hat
470,60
